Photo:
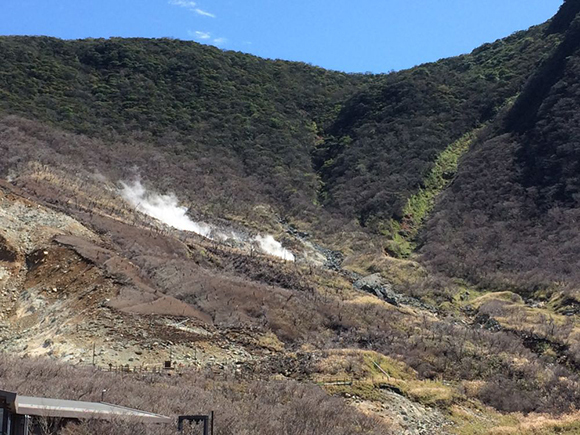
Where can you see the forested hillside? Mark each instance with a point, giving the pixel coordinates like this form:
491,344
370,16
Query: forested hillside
320,149
511,214
219,125
225,123
387,137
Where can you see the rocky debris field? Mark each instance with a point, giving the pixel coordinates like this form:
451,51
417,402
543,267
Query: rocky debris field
407,417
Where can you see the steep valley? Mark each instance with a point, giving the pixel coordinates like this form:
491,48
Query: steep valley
423,225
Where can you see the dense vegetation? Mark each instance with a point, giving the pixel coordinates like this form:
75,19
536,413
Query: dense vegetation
223,118
511,213
240,407
226,125
387,137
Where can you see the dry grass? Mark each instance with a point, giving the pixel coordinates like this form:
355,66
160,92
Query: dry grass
472,420
540,424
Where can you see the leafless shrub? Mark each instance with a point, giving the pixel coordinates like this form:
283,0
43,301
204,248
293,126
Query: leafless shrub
494,308
268,407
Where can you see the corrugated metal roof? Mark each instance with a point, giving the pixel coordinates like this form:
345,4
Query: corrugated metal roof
38,406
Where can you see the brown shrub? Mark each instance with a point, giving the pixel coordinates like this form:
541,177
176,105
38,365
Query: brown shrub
268,408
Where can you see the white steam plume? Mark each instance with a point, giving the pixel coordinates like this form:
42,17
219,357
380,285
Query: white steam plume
271,246
166,208
162,207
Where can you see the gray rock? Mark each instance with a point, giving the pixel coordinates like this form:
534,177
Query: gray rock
377,285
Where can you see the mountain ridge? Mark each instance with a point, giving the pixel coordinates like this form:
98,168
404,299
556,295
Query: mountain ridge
271,121
430,214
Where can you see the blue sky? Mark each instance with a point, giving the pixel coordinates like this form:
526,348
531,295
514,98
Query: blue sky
361,36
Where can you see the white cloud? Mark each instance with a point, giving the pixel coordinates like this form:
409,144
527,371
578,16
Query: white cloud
200,35
191,5
183,3
204,13
206,37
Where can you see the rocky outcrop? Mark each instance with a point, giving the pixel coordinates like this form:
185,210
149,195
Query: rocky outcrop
377,285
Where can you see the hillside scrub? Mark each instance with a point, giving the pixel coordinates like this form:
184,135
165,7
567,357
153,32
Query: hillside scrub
315,307
511,214
224,129
265,407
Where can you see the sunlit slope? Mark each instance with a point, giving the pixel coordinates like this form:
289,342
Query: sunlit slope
511,214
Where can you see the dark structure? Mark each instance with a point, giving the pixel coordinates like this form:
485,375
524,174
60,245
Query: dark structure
207,421
19,413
